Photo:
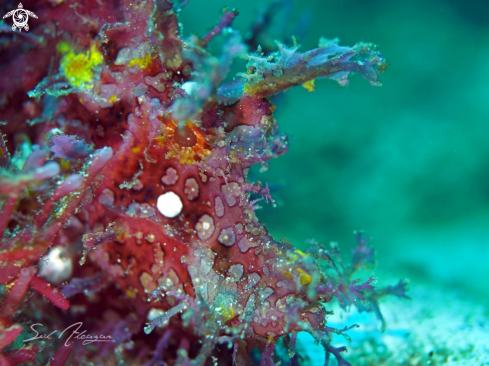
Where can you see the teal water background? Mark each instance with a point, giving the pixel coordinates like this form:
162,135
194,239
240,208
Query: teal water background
406,162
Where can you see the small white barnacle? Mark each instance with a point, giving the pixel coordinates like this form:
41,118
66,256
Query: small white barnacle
253,280
219,206
170,177
239,228
150,238
265,293
250,304
147,282
191,189
227,237
231,192
106,197
235,272
205,227
169,204
244,244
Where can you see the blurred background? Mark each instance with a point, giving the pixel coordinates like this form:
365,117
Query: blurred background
406,162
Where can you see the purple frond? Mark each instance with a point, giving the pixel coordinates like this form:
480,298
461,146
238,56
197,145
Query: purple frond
287,68
87,285
399,290
362,255
212,72
336,351
225,22
68,147
356,290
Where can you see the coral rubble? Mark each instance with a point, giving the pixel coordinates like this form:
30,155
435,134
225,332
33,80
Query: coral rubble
123,172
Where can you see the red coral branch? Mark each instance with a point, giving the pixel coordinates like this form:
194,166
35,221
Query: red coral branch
19,356
17,292
61,355
8,273
50,293
7,336
4,361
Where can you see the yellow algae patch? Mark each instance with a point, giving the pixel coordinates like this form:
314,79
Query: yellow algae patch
142,62
309,85
250,89
175,63
78,67
227,313
186,156
304,277
286,274
113,98
131,293
136,149
160,141
63,47
65,164
293,257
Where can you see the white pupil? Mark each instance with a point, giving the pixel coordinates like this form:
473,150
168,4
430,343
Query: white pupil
169,204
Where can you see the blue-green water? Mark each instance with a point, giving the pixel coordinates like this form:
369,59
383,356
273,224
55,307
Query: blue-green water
407,162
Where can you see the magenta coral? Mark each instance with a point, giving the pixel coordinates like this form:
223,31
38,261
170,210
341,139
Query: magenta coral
134,165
